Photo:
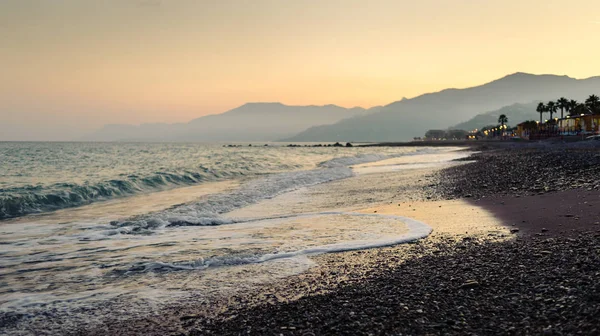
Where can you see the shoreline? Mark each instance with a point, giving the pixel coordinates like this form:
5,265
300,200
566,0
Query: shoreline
537,278
471,260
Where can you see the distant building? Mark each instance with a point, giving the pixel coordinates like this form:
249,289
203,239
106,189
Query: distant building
570,125
574,125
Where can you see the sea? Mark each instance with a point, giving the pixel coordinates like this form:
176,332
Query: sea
135,226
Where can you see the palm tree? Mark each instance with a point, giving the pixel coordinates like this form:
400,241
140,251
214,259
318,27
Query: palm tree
593,104
503,119
580,109
563,105
541,108
572,106
551,108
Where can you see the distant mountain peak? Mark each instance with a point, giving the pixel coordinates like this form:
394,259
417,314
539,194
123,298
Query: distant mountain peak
521,75
263,103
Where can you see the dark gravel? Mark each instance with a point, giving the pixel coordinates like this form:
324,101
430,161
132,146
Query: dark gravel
528,286
533,285
520,171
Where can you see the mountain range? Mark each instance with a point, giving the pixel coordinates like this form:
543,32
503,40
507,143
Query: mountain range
249,122
398,121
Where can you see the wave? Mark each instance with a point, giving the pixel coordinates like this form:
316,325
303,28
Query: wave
17,202
416,230
209,211
355,160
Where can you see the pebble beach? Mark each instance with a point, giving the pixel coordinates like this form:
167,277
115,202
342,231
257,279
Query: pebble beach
515,250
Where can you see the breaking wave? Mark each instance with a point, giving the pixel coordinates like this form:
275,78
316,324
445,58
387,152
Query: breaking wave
209,211
23,200
34,199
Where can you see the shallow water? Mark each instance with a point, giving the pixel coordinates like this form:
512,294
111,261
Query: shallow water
39,177
171,244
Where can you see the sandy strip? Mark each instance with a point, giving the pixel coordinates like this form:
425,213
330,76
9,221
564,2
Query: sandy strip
455,217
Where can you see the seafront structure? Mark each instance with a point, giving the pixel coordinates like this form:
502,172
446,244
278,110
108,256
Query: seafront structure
571,125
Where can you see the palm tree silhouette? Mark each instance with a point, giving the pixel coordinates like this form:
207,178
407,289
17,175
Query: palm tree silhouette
541,108
503,119
572,106
551,108
580,109
593,104
563,105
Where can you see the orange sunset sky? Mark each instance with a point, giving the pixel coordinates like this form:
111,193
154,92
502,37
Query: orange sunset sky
76,65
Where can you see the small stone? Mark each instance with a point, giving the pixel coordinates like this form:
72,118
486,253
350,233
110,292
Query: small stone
514,230
469,284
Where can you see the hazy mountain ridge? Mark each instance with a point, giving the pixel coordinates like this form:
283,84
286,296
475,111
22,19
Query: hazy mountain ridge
515,113
399,121
249,122
403,120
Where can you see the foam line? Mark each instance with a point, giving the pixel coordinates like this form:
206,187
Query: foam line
416,230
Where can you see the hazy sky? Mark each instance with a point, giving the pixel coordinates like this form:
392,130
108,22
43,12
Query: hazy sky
68,66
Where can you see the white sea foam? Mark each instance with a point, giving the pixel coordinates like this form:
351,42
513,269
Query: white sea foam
210,211
416,230
90,269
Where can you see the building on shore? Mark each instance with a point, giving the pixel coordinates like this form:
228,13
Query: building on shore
580,124
573,125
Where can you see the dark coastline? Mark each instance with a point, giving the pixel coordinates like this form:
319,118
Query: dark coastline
543,282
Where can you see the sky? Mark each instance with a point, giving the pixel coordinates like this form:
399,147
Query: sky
70,66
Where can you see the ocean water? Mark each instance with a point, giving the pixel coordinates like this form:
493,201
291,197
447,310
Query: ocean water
86,226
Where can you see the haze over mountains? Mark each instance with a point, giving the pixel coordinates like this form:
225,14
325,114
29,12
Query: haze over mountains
403,120
249,122
515,113
398,121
